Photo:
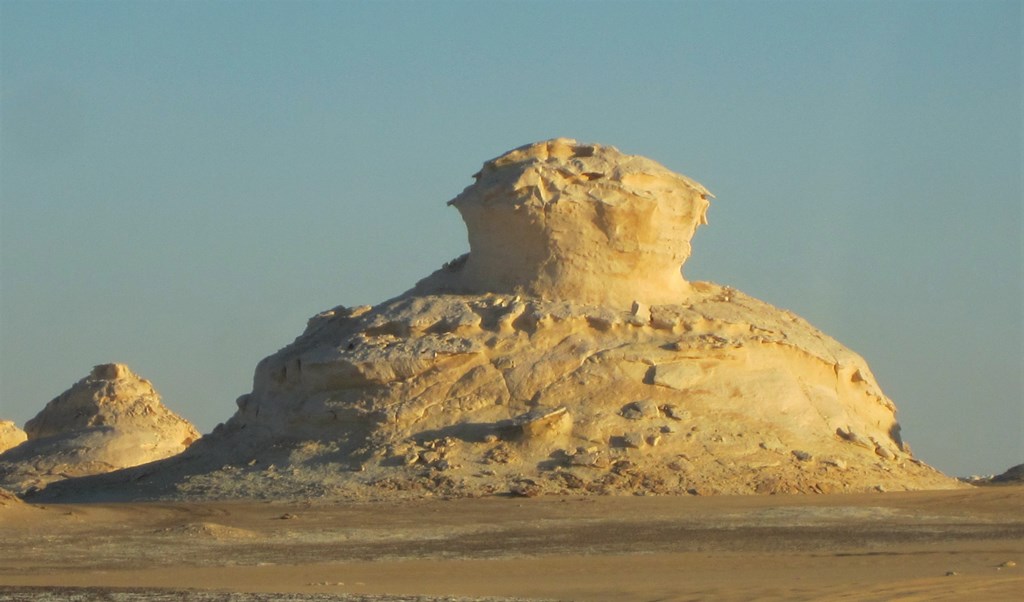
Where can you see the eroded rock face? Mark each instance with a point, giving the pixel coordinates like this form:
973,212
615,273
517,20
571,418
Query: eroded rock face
10,435
110,419
564,354
473,394
581,222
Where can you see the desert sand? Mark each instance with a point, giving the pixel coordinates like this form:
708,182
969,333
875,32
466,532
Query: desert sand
942,545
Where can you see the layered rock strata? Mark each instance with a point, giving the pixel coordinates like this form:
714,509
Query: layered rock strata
110,419
564,354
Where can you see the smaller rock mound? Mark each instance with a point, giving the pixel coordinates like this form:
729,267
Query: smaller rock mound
10,435
1013,476
109,420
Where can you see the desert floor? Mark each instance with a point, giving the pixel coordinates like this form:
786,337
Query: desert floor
952,545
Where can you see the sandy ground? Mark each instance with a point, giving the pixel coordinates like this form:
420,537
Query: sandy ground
948,545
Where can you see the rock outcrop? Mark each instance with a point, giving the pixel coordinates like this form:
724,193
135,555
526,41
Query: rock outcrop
1013,476
564,353
10,435
109,420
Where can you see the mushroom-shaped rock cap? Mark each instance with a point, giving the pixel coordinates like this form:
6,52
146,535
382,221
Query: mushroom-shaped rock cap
581,222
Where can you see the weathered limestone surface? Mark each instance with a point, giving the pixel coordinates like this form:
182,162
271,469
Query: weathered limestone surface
110,419
564,353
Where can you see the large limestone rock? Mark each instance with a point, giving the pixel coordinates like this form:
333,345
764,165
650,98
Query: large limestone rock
564,353
110,419
10,435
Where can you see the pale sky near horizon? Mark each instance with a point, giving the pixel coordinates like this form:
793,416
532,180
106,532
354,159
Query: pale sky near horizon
183,184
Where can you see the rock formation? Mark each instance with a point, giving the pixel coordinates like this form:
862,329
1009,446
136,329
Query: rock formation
10,435
109,420
564,353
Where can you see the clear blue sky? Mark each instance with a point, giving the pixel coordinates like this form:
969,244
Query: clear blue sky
184,183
